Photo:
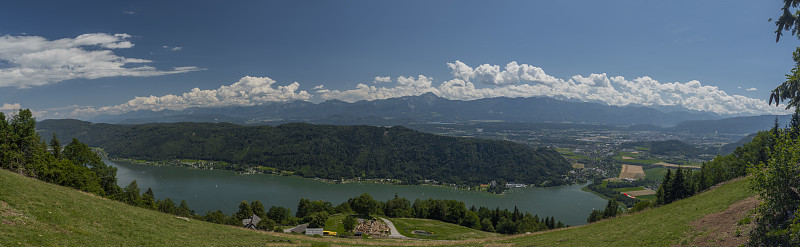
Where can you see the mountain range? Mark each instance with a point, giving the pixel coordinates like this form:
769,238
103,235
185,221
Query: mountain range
420,109
430,108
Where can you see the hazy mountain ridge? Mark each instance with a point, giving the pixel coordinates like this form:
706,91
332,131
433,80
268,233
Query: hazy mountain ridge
421,109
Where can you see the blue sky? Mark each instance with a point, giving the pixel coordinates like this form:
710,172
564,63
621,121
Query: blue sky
79,59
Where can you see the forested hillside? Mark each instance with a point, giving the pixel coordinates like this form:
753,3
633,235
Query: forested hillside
325,151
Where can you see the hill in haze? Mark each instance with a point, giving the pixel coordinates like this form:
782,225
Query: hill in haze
325,151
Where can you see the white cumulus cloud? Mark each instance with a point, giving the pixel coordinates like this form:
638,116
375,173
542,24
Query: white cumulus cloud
382,79
404,86
751,89
247,91
12,109
35,61
173,48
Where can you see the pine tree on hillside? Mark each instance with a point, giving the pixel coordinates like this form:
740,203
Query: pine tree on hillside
678,186
612,209
56,146
664,193
148,199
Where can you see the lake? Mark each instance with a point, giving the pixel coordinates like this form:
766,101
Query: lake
206,190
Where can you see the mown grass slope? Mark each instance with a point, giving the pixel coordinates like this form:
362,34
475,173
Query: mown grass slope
440,230
38,213
663,226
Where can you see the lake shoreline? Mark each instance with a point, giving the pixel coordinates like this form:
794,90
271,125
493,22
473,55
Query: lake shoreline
216,165
205,189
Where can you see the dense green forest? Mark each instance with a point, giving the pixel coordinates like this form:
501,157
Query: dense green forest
325,151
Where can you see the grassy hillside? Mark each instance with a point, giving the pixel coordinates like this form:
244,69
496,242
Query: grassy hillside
440,230
37,213
661,226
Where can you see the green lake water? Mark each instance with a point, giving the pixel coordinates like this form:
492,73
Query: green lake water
206,190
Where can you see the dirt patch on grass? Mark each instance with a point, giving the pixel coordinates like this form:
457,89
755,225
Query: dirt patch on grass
631,172
7,211
9,215
726,228
8,222
578,165
641,192
627,158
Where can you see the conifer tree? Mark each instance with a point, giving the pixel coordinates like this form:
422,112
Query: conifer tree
166,206
56,146
612,209
664,194
184,210
678,186
131,194
303,208
148,199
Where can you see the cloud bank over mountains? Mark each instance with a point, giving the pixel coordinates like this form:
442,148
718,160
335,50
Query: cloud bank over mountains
523,80
513,80
28,61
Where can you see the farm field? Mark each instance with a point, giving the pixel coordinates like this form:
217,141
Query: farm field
655,173
626,189
572,156
644,192
635,160
631,172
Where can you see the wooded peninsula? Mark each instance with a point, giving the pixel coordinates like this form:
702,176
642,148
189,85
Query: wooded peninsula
326,151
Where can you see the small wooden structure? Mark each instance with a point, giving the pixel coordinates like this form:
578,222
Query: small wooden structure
251,222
